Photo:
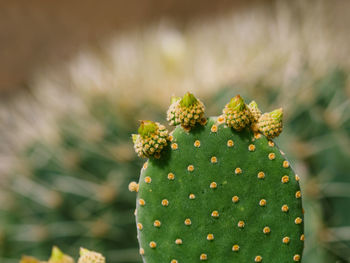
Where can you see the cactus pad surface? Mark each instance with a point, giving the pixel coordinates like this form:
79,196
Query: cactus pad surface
219,195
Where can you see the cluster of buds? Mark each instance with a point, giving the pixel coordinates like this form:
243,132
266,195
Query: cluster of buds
186,112
189,111
151,139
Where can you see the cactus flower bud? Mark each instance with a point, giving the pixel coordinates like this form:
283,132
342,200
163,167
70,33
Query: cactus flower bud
270,124
87,256
151,140
237,114
187,111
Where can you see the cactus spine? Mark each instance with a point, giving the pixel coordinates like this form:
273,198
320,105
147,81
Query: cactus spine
220,192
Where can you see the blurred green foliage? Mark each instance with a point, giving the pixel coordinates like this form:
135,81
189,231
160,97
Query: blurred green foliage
74,192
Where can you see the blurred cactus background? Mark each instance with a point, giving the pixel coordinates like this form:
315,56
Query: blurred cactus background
66,154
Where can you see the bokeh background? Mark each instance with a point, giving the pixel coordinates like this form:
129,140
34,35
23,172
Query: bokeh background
76,76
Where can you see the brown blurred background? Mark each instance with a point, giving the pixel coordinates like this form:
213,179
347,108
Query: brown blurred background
37,33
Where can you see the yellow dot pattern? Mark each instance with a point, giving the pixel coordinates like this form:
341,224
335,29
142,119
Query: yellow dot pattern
148,180
230,143
235,199
174,146
210,237
258,259
171,176
298,220
178,241
251,147
188,222
286,240
190,168
157,223
238,170
213,185
241,224
235,248
296,258
197,143
142,202
266,230
214,214
285,179
285,208
261,175
285,164
262,202
152,244
165,202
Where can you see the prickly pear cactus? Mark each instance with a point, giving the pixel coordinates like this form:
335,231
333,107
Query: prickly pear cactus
219,191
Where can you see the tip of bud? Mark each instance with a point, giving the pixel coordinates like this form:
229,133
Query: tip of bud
146,128
134,137
188,100
253,104
56,254
174,99
236,103
277,114
83,251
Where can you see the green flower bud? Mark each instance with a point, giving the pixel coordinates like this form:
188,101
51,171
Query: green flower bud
236,114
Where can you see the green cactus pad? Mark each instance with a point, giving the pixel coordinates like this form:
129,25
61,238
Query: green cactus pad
218,195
